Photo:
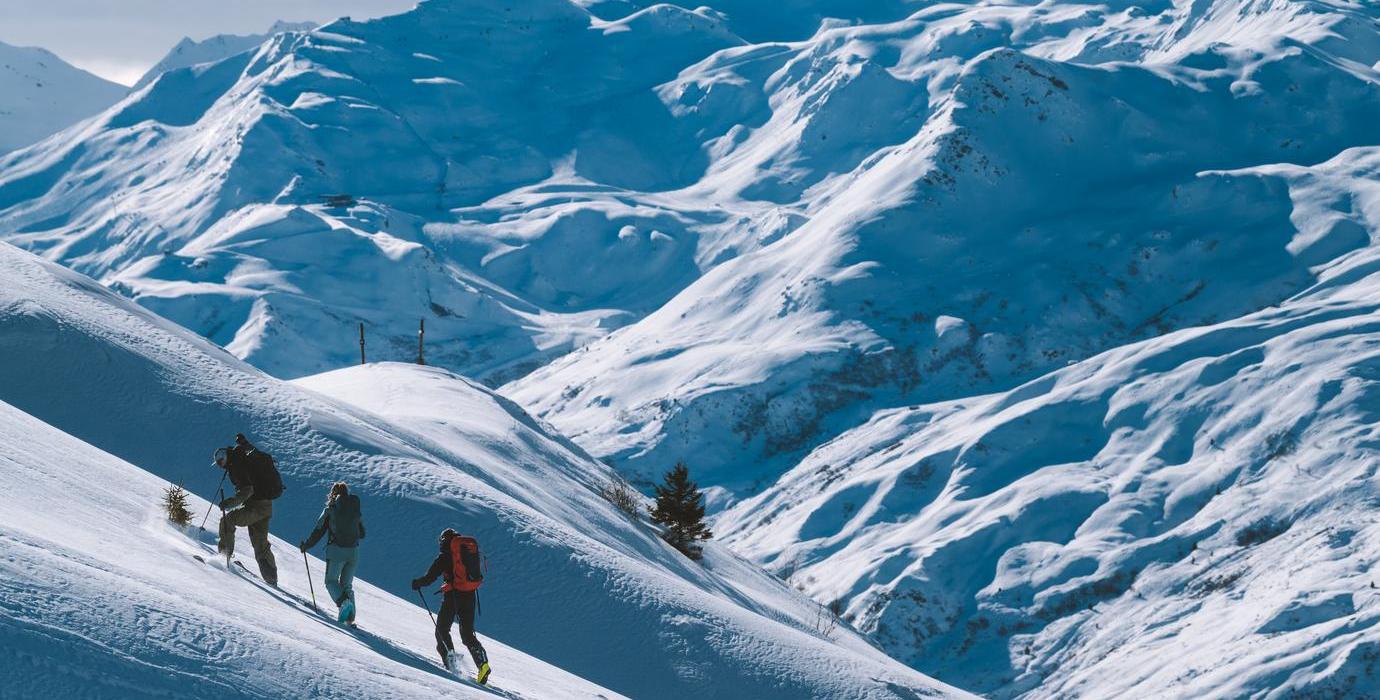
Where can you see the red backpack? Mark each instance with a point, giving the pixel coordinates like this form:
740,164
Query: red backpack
467,572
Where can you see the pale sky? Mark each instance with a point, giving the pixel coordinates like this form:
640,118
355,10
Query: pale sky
120,39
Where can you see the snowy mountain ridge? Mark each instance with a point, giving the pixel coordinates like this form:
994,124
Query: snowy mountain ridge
75,355
1204,496
904,288
1044,211
189,52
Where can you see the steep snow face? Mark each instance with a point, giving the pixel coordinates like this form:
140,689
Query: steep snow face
1047,206
190,53
40,95
1190,516
571,580
102,597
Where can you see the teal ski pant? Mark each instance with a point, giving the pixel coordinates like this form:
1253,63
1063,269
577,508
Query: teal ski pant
340,574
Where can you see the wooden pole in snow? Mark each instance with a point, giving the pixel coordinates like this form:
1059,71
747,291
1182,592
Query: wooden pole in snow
361,342
421,335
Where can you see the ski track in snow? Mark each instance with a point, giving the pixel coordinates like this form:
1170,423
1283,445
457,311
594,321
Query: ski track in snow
572,581
101,597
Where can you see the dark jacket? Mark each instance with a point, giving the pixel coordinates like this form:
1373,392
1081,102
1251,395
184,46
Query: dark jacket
237,466
442,566
332,517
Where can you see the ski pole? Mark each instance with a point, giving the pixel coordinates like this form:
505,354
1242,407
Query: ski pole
220,498
428,607
219,489
310,585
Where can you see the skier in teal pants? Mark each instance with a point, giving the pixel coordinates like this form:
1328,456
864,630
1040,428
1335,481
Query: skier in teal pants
342,519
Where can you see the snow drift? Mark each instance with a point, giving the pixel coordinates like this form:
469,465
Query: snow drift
1190,516
102,597
572,580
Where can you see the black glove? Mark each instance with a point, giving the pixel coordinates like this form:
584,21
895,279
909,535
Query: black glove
227,504
303,546
417,584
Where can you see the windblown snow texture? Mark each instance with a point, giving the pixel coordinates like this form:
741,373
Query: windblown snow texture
1189,516
101,597
571,581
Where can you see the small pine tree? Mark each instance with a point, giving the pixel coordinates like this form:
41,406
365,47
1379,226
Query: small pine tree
680,508
175,503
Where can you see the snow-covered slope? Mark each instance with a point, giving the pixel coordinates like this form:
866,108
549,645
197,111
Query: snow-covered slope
40,95
1046,204
101,597
1190,516
784,20
189,53
571,580
763,247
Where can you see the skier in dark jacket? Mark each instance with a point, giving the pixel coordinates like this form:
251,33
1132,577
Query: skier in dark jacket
246,508
459,601
343,520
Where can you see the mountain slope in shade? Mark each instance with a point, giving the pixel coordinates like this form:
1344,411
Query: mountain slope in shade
102,597
571,579
1190,516
40,94
189,53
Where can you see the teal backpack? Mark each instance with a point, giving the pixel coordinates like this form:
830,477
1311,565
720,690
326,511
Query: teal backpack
344,521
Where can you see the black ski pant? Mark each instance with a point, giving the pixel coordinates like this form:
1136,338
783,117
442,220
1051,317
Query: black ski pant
461,604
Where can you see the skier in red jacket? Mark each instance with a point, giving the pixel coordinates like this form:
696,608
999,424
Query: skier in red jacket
459,567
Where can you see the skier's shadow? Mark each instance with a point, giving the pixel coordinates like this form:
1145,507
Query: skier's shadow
382,646
389,650
393,651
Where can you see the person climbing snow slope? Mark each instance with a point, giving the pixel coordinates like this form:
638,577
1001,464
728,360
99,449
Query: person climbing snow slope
458,565
344,521
257,483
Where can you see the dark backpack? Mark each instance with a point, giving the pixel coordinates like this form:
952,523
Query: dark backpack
344,521
268,484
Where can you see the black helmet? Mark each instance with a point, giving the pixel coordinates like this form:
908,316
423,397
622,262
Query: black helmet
446,534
